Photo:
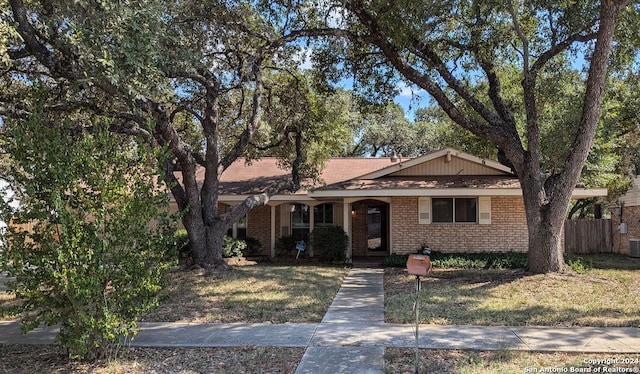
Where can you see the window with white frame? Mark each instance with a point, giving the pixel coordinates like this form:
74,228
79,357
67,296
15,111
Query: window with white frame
323,215
454,209
300,219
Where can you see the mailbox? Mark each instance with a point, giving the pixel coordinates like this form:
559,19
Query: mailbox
419,265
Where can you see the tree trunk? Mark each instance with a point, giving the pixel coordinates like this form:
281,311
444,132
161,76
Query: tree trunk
545,253
215,240
545,215
197,240
206,241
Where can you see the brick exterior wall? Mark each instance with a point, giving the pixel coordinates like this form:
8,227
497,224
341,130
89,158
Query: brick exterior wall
507,231
630,215
259,226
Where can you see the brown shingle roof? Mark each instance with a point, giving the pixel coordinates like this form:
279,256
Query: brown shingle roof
242,178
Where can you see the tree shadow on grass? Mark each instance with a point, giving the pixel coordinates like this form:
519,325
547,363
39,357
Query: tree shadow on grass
611,261
512,298
261,293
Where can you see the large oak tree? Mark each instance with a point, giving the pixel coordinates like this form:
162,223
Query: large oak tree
447,48
211,81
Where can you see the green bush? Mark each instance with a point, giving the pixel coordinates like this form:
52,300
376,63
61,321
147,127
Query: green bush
501,260
233,247
254,247
395,261
180,244
285,245
579,264
330,243
95,258
494,260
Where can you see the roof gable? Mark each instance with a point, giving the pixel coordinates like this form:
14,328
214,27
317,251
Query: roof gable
447,161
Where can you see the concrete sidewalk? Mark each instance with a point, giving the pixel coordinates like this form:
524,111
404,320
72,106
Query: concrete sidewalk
550,339
352,335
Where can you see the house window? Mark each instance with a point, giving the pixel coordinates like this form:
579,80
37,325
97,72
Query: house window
323,215
239,229
455,209
300,222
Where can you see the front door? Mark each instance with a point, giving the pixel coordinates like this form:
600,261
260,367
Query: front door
377,228
370,228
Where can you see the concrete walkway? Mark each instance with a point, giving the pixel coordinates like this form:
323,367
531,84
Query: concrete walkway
352,335
336,346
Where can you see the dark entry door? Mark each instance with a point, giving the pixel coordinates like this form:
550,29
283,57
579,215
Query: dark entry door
377,228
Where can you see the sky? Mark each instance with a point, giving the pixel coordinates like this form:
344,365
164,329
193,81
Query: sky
411,98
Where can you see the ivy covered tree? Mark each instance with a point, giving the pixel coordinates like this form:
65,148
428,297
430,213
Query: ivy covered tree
87,243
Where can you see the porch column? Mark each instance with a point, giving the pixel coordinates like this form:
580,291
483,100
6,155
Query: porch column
346,222
273,231
311,224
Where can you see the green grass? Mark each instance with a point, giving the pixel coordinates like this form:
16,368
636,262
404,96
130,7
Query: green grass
605,295
250,293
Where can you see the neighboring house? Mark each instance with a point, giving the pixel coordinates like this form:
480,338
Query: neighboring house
625,220
449,200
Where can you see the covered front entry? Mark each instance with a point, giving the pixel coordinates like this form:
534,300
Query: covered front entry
370,228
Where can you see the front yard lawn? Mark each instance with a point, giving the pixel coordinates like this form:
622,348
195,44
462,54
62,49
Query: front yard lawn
27,359
606,294
402,360
250,293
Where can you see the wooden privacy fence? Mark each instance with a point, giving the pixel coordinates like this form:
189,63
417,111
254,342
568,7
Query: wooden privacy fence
588,236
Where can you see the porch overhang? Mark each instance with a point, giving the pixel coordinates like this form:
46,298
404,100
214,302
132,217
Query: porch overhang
578,193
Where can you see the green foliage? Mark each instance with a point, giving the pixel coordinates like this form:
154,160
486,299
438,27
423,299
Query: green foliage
95,257
499,260
254,247
330,243
233,247
395,261
317,125
180,245
436,131
580,265
227,74
285,245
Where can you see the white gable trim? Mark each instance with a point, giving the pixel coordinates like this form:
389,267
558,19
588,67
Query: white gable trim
450,152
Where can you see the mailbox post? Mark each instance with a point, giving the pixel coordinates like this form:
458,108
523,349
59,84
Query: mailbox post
419,265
